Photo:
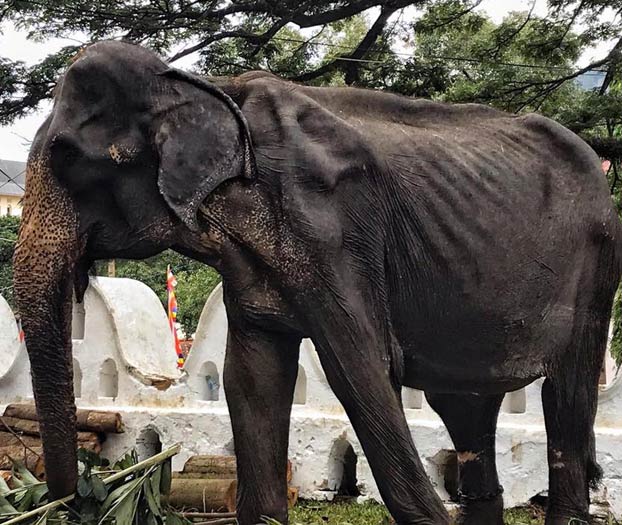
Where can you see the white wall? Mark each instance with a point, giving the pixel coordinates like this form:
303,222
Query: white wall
122,322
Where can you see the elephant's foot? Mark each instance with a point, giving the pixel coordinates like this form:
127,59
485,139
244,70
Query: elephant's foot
481,511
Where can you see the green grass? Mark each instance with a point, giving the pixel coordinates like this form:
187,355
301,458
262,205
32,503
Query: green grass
316,513
524,516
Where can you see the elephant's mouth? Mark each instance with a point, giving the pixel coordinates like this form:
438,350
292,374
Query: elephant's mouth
81,277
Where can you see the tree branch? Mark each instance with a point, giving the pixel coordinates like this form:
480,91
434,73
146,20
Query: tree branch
450,19
616,54
210,40
514,34
351,62
297,16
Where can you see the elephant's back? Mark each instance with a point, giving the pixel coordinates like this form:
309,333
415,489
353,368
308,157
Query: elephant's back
479,222
492,229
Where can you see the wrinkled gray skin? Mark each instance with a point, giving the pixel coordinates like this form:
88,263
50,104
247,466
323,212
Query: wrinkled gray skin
454,249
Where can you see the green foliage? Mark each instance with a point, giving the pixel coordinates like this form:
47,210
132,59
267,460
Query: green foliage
105,495
193,289
616,339
27,492
9,229
282,55
504,65
325,41
23,87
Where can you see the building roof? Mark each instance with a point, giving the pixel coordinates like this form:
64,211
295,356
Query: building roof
12,177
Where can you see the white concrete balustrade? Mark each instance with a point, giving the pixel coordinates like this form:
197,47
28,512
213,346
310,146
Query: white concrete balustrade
124,360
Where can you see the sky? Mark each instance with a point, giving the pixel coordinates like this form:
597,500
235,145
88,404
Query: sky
14,45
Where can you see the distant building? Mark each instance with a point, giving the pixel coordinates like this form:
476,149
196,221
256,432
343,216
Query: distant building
12,183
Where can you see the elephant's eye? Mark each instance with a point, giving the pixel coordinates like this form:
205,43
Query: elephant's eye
64,150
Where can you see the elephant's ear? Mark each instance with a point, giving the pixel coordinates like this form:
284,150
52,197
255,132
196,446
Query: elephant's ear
202,142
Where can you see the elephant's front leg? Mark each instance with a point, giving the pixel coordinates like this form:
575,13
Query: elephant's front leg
259,376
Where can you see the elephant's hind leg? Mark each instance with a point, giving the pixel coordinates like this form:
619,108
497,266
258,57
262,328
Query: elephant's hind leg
570,400
569,415
471,421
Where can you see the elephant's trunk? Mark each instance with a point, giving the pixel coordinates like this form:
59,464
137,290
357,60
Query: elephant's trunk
44,262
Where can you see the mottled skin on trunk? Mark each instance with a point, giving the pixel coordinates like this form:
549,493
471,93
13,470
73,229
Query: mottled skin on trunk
388,230
44,264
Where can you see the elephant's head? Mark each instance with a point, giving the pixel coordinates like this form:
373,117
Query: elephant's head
119,168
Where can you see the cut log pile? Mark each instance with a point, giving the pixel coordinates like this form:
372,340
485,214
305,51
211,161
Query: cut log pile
20,438
209,483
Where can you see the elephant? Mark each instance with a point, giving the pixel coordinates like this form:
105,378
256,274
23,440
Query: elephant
456,249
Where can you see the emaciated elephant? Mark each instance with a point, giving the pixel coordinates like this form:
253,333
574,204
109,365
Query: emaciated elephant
454,249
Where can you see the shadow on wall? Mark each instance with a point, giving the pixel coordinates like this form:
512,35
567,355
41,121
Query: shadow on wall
78,320
210,384
446,463
300,391
515,402
109,379
411,398
342,469
77,379
148,444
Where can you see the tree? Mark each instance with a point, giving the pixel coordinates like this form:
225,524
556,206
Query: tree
290,38
9,228
177,28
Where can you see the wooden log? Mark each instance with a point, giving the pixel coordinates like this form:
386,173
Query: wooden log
88,440
21,426
7,439
32,456
215,466
21,411
204,494
31,428
221,521
207,515
33,459
202,475
97,421
195,475
223,466
88,420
